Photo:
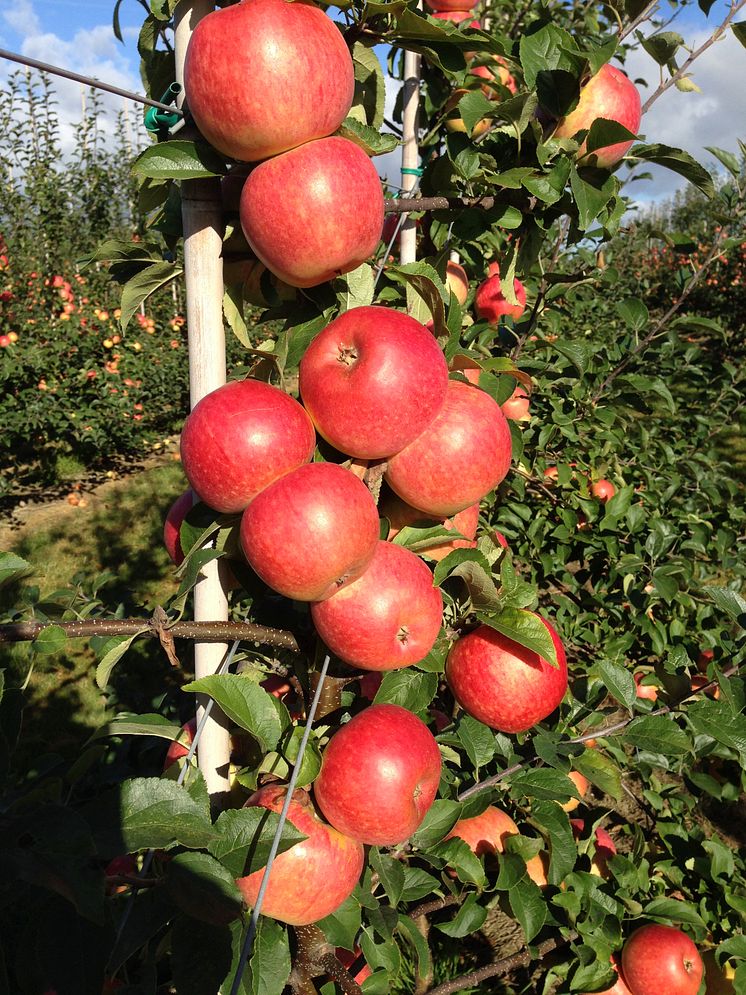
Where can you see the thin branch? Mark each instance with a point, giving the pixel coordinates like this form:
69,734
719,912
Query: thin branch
642,16
435,905
214,632
500,967
602,733
405,205
716,35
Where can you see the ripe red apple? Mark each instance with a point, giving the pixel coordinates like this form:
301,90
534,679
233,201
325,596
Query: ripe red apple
610,94
648,691
370,683
459,458
4,341
490,301
582,784
240,438
176,515
603,490
311,879
516,406
311,531
400,514
457,17
459,5
503,684
265,76
605,848
457,281
386,619
502,76
372,381
379,775
485,833
657,959
315,212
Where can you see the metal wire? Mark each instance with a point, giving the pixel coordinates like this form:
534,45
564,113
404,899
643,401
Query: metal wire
248,942
24,60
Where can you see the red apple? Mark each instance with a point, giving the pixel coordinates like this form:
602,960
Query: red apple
459,5
457,281
240,438
388,618
537,868
124,866
503,684
582,784
180,747
459,458
372,381
379,775
265,76
485,833
516,406
176,515
311,879
610,94
502,76
603,490
311,531
658,959
370,683
400,515
492,305
605,848
4,341
704,659
315,212
457,17
648,691
500,539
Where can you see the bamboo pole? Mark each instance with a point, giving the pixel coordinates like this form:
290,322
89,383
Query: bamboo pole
203,275
410,156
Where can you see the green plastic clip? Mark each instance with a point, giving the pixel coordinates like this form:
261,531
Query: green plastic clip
160,121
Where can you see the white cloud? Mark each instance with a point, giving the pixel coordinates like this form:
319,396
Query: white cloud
22,18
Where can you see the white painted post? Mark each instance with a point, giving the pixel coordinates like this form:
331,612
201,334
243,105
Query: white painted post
410,156
203,277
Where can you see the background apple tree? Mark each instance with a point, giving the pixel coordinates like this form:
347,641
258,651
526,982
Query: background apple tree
634,377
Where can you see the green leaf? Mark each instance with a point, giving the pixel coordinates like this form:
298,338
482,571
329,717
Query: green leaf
247,704
370,81
729,602
592,193
670,909
342,926
202,887
243,838
143,284
359,288
474,106
529,907
412,689
555,826
441,817
678,162
469,918
477,739
200,955
579,354
425,292
391,874
601,771
370,140
524,628
155,813
717,720
140,725
233,312
619,682
51,639
543,783
633,313
12,566
281,763
662,46
112,657
179,160
739,30
270,959
657,734
408,928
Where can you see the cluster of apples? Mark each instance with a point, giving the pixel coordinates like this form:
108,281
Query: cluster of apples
269,82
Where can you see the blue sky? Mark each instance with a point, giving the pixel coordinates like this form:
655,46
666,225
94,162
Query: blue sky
77,34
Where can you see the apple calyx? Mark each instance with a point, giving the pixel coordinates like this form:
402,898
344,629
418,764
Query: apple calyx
347,355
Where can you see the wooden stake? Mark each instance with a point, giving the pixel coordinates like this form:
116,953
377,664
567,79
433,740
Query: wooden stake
203,277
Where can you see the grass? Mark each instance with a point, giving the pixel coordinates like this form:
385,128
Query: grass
113,544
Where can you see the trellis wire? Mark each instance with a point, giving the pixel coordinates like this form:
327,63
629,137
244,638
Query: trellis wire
248,942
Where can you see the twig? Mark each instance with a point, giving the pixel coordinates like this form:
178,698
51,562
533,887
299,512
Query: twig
435,905
716,35
500,967
215,632
405,205
642,16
